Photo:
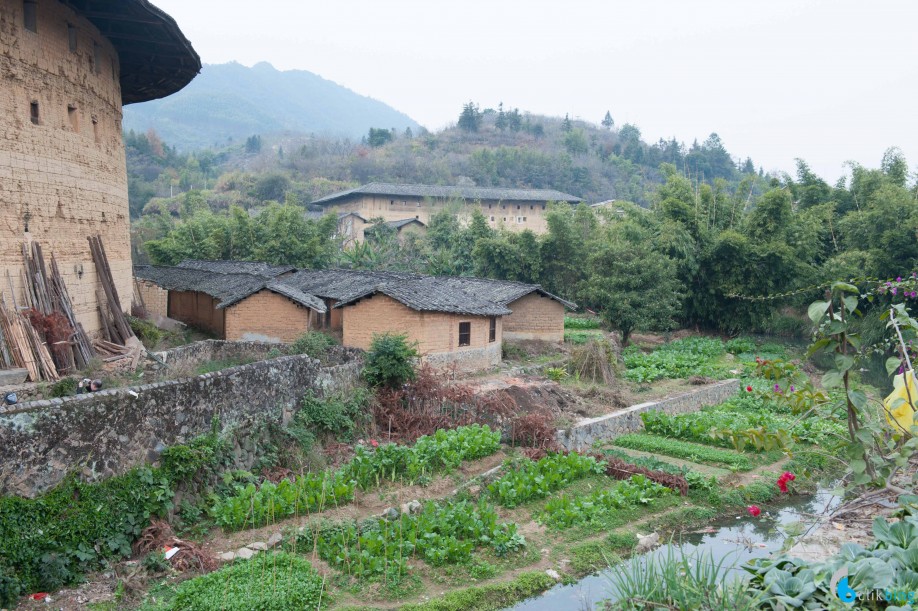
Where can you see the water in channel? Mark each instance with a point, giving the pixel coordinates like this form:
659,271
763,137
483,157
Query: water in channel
734,539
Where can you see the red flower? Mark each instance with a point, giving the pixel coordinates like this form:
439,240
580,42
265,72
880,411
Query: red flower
754,510
749,389
374,443
787,476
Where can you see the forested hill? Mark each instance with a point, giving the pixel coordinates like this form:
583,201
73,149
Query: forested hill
489,148
230,102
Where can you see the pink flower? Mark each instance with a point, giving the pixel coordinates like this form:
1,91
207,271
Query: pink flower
899,279
749,389
754,510
792,388
374,443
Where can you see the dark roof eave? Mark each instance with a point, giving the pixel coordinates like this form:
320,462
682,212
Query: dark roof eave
155,58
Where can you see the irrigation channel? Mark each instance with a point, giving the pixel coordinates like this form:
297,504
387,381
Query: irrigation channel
731,539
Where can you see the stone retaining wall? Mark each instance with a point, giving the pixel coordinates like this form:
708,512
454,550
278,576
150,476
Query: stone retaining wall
584,433
109,432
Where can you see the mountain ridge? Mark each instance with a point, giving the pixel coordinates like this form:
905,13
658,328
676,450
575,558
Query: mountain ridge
229,102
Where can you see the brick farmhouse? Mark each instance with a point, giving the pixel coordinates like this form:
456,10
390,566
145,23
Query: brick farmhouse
512,209
454,321
66,70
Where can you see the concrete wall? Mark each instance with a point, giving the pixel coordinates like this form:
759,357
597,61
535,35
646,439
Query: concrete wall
584,433
155,298
535,317
64,178
436,333
197,309
109,432
267,317
515,216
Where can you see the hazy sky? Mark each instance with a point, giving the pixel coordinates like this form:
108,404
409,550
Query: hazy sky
828,81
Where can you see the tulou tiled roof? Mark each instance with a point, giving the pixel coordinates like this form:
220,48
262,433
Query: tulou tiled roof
432,294
503,292
225,288
256,268
447,192
472,296
341,284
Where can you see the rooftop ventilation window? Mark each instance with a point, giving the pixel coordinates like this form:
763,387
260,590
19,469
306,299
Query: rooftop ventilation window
96,57
34,113
30,15
95,130
72,37
73,117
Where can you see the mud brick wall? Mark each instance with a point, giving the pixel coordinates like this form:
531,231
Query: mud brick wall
63,177
155,298
582,435
267,317
535,317
436,333
109,432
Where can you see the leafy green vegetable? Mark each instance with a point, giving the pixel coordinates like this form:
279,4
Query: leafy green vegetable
684,449
535,480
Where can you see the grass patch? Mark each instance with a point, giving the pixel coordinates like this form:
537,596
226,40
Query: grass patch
277,581
682,449
490,597
217,365
582,337
597,555
682,519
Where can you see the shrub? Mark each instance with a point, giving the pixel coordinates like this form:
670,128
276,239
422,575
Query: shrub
314,343
390,361
49,541
338,414
63,388
556,374
146,332
270,582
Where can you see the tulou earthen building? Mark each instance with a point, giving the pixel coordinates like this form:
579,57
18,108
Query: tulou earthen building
66,69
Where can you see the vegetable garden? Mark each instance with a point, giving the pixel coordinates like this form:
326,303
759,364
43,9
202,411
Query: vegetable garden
489,539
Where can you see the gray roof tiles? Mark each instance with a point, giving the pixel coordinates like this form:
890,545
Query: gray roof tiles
228,289
450,192
472,296
256,268
432,294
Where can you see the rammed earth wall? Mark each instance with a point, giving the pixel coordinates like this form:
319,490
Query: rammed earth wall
109,432
584,433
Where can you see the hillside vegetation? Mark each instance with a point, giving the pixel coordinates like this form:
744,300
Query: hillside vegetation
703,238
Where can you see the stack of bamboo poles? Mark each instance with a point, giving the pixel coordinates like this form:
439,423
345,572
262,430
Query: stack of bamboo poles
25,347
48,294
115,326
118,340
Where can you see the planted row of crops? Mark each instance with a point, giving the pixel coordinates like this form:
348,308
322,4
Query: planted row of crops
565,510
536,480
253,506
442,533
686,450
692,356
723,424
